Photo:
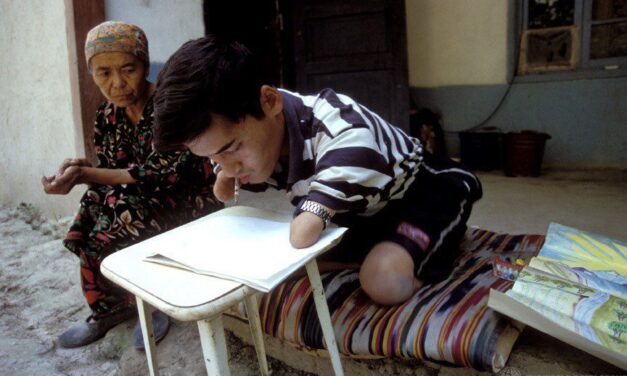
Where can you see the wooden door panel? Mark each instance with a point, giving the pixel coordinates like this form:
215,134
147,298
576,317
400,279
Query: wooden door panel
322,36
354,47
374,88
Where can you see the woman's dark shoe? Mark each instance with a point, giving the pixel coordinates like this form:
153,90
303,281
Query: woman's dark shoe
160,326
92,330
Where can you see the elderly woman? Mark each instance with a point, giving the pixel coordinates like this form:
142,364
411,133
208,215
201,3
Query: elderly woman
133,193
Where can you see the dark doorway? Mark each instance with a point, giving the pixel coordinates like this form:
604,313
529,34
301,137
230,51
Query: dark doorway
356,47
256,24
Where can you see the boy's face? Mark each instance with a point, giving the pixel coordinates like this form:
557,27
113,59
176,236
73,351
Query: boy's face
249,149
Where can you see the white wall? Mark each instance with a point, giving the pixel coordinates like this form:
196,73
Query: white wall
36,122
167,23
454,42
37,74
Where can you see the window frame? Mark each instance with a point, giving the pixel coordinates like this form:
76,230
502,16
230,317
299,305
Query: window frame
585,67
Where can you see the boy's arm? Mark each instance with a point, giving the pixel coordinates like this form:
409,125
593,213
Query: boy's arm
307,226
224,187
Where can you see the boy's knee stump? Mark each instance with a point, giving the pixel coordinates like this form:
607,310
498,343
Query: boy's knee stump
387,288
387,274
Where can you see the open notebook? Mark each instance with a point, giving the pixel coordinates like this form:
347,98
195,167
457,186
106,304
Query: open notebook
247,245
576,291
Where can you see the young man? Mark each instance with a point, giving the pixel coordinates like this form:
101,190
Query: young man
338,161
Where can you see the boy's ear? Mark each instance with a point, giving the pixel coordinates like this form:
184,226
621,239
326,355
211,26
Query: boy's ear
271,100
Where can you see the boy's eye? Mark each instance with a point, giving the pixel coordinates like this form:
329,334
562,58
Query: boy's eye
233,148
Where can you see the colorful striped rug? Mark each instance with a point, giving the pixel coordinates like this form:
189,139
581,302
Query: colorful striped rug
445,322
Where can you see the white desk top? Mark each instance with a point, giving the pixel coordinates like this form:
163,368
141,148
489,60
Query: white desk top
181,294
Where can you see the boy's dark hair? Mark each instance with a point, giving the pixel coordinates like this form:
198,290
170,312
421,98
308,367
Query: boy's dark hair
204,76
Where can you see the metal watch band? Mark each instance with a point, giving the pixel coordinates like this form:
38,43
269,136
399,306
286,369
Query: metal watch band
317,209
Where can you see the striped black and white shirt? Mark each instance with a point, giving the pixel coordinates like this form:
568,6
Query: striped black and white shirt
343,155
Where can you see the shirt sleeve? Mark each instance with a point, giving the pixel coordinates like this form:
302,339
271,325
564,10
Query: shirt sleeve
351,170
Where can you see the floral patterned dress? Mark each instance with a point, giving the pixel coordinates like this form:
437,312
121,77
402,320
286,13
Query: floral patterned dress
171,189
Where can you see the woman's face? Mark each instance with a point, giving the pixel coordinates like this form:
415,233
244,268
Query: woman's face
121,77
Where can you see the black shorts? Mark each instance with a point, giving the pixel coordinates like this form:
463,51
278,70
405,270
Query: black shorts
429,221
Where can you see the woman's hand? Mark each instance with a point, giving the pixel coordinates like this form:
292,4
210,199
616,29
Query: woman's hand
61,184
224,187
81,162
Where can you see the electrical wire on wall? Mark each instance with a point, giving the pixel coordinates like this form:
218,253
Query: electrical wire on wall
501,101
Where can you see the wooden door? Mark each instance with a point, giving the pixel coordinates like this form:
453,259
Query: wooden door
87,14
356,47
256,24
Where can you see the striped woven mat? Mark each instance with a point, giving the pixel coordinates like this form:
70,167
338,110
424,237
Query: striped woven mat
445,322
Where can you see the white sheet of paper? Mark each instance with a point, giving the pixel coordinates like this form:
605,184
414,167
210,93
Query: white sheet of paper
251,250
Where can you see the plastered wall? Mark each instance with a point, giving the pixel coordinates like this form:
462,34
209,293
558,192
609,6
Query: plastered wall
167,24
453,42
38,95
36,121
461,61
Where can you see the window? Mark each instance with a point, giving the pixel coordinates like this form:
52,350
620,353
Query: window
567,35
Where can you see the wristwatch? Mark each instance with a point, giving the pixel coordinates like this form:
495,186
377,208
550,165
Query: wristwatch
317,209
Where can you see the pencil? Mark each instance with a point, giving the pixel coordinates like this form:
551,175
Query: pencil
236,197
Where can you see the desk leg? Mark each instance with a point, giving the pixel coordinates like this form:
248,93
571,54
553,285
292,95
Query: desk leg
323,315
214,346
145,320
252,311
